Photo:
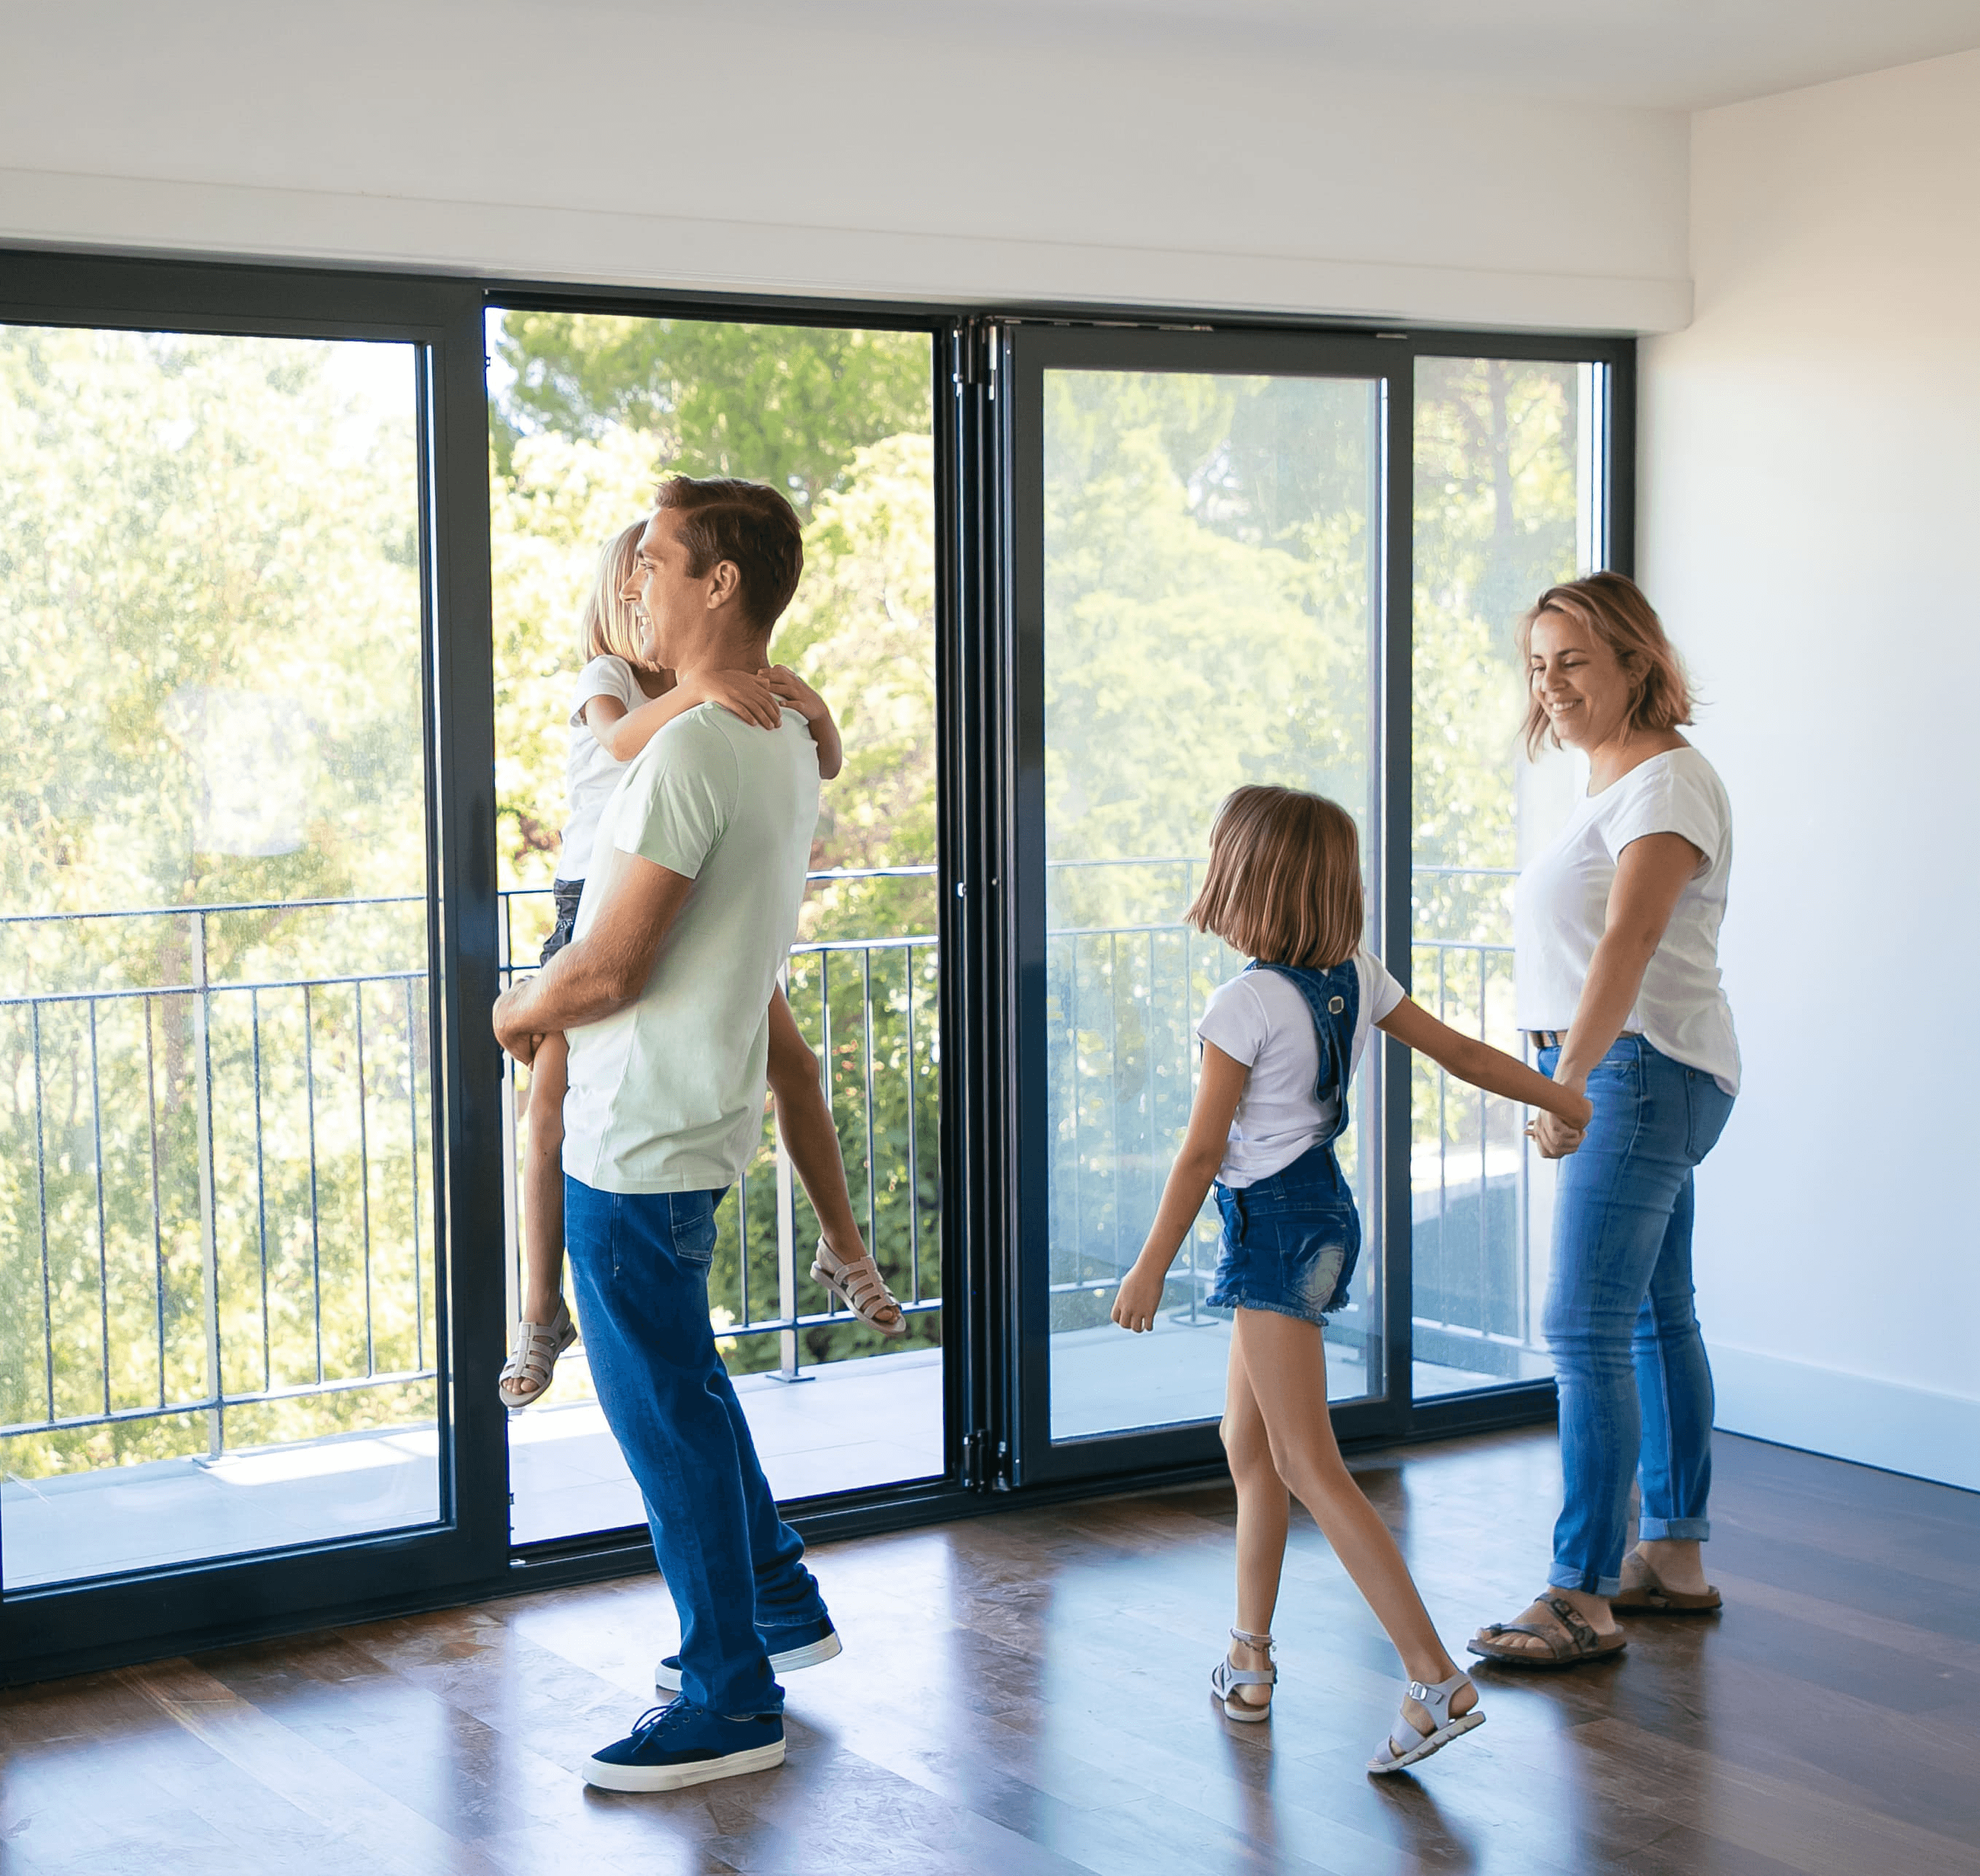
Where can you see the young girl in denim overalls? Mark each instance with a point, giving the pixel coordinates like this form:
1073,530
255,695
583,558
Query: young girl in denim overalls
1280,1043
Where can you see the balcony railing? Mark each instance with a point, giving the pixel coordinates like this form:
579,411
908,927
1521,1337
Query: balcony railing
868,1006
215,1180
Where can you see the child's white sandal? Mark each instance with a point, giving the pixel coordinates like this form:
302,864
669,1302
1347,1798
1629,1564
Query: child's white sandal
525,1375
857,1282
1225,1679
1405,1745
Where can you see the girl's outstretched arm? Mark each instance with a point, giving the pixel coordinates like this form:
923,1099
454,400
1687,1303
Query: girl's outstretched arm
1482,1065
815,711
623,733
1218,1090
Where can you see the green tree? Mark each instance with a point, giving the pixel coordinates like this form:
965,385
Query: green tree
787,405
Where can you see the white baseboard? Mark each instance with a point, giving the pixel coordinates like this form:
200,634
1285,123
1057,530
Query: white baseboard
1849,1417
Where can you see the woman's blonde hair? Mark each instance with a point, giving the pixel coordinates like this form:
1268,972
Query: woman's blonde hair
610,627
1611,607
1285,880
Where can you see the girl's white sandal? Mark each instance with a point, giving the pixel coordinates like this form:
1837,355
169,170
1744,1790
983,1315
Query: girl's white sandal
857,1282
1225,1679
525,1375
1405,1745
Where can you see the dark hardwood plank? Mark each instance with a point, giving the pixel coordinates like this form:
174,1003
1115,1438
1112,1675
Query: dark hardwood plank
1026,1694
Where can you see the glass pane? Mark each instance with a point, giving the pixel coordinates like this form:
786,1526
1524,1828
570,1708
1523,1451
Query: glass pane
1209,613
217,1330
588,411
1508,503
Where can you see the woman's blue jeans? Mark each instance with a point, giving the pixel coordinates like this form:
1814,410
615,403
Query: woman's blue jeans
735,1568
1636,1389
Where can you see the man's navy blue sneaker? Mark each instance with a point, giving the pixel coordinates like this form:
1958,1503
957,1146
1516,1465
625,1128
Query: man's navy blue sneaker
678,1744
804,1645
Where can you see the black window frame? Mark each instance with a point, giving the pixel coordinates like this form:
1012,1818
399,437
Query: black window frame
982,831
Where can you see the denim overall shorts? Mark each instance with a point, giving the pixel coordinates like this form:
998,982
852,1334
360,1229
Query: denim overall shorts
1290,1242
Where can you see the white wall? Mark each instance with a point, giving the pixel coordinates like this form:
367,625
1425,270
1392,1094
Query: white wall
1810,512
746,146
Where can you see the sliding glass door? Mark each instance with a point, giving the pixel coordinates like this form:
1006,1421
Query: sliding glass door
586,412
1201,602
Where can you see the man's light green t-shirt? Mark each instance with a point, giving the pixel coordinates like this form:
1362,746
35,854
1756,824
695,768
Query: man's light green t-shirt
667,1095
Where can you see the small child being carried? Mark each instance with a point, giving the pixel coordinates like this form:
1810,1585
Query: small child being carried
1280,1042
622,701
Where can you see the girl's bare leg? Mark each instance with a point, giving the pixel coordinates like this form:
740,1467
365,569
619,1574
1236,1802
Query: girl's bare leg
1263,1508
1285,1366
805,1120
543,1184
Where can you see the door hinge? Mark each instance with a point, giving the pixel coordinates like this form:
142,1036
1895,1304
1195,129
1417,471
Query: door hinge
976,345
985,1468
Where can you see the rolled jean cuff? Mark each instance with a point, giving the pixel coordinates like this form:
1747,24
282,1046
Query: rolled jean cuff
1683,1530
1566,1576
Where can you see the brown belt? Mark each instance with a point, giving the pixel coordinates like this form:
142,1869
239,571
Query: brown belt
1557,1038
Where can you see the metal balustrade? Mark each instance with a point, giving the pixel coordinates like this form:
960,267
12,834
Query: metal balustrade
868,1006
215,1191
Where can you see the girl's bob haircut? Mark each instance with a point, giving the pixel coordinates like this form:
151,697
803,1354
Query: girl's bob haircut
1285,880
1611,609
611,627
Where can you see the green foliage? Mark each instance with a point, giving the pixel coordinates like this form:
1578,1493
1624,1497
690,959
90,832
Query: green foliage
596,407
787,405
209,693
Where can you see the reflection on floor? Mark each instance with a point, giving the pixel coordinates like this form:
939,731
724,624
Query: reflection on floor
1023,1694
864,1422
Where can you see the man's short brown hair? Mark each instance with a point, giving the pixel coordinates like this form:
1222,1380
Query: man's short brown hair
746,523
1283,884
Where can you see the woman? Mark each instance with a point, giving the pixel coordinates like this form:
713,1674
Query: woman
1616,931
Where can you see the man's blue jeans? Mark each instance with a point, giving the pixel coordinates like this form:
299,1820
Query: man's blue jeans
1636,1389
641,1262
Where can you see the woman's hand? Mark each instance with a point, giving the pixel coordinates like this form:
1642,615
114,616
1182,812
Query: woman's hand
796,692
747,694
1139,1297
1553,1135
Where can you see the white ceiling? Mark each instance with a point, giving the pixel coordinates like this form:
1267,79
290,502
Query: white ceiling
1673,54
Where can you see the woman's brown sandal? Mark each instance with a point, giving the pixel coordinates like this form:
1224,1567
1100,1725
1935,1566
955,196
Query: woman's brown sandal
525,1375
1643,1593
1573,1641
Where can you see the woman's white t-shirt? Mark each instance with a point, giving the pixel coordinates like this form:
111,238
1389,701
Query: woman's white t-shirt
1562,909
1259,1018
592,771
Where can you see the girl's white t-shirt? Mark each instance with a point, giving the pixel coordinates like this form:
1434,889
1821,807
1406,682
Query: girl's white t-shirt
591,772
1259,1018
1562,909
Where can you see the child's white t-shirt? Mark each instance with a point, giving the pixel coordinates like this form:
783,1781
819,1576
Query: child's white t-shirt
1260,1018
592,771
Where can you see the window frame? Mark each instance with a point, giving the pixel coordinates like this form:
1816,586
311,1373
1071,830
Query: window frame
981,810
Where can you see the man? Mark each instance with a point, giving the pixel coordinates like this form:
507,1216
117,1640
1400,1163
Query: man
664,993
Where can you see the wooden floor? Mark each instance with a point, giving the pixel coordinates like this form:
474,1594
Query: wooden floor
1026,1693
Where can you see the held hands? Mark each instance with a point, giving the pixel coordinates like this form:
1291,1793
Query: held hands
1138,1298
1557,1138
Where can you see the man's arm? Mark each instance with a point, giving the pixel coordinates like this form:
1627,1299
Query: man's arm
607,969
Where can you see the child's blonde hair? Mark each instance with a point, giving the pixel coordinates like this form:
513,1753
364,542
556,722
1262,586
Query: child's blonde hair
1284,881
610,627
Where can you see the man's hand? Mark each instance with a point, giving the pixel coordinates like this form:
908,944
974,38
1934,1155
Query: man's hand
516,1039
1139,1296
